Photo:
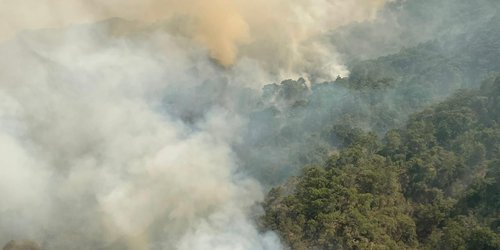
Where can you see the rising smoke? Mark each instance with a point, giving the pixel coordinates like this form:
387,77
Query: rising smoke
125,140
285,37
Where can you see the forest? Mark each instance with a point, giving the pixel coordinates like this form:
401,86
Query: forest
432,184
411,158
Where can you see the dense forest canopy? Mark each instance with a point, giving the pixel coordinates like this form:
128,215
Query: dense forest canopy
405,151
408,152
294,123
432,184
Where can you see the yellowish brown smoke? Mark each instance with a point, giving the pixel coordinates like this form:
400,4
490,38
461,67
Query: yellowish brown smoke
282,34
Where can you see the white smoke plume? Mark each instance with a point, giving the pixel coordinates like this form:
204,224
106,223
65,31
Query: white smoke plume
90,161
107,141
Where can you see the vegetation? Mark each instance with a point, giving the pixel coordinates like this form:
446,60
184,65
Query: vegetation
296,124
434,184
402,154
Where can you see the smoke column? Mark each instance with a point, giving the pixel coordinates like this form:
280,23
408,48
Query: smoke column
107,140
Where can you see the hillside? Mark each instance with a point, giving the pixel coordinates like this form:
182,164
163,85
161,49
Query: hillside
433,184
296,124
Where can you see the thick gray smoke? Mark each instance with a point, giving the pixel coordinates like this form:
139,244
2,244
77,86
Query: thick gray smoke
95,155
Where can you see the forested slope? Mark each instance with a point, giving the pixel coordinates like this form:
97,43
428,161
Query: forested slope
295,124
433,184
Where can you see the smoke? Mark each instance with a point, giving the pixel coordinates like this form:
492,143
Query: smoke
93,158
404,24
121,134
285,37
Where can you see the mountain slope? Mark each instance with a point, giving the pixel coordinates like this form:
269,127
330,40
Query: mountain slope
431,185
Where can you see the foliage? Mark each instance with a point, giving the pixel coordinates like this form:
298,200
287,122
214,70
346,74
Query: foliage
295,119
434,184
